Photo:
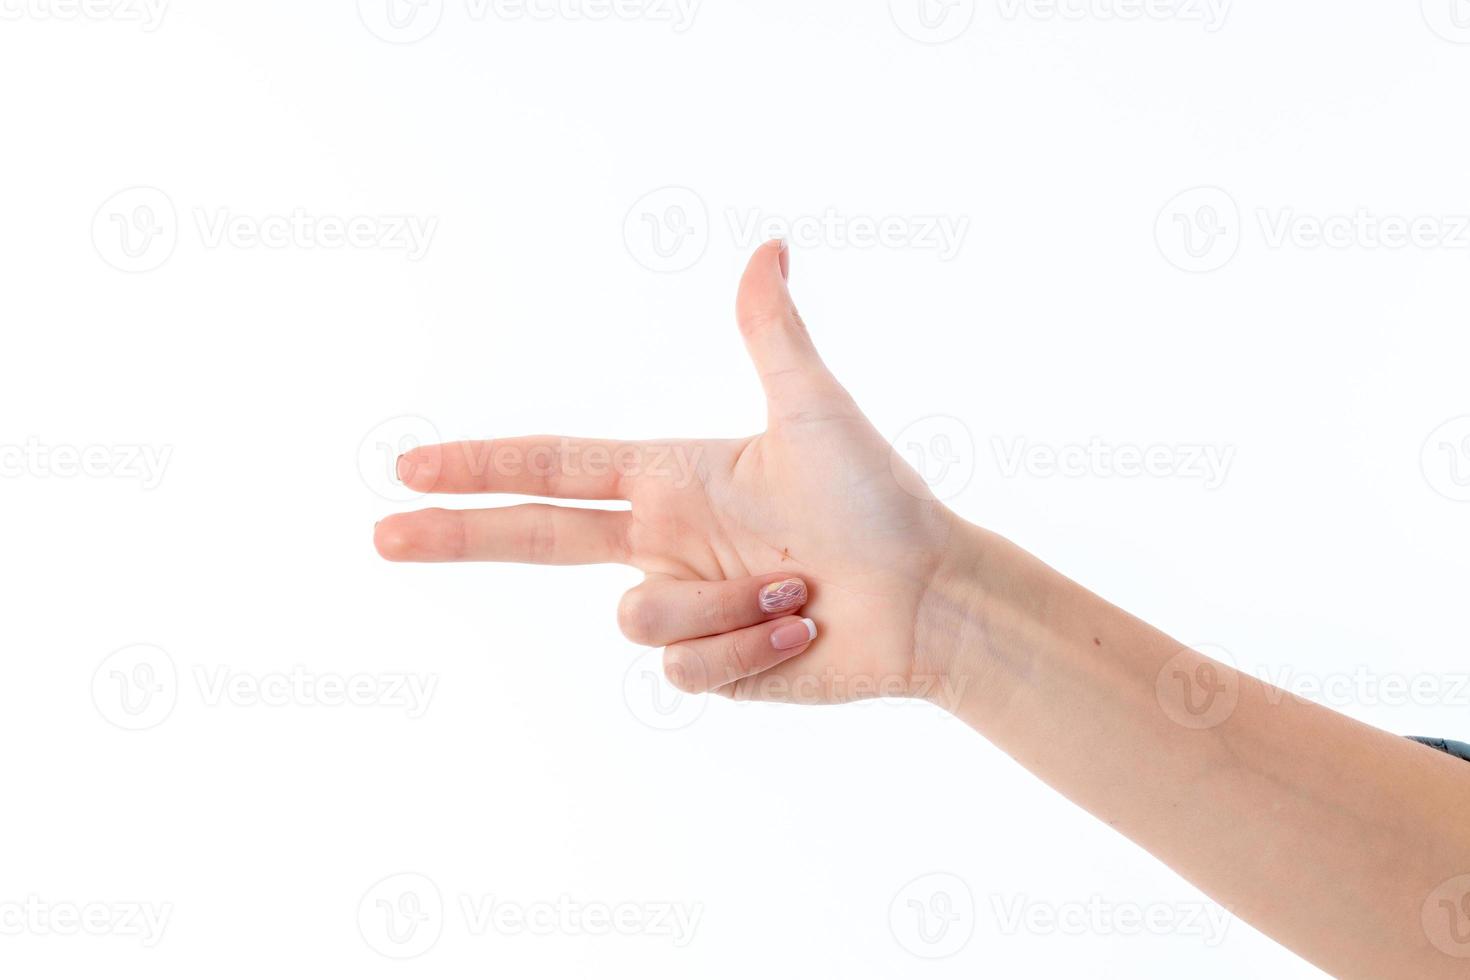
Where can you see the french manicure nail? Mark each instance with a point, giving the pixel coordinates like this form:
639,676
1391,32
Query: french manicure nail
398,469
783,596
795,635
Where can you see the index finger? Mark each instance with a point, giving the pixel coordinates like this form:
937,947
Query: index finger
537,466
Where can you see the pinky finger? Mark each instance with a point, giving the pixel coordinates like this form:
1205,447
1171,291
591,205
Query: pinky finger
711,662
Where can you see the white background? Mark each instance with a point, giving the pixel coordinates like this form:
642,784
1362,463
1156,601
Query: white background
276,378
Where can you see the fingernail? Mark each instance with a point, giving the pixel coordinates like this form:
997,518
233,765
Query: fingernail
794,635
398,469
784,247
783,596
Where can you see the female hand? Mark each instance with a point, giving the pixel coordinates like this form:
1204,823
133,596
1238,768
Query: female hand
817,511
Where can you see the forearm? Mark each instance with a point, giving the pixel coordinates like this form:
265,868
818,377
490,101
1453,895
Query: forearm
1326,834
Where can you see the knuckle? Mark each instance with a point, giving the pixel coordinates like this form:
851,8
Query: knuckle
682,671
767,318
727,610
741,658
541,537
636,617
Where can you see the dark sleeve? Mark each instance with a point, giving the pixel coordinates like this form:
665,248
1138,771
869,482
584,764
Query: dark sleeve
1457,749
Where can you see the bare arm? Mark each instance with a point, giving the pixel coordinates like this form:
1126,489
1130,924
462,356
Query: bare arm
1340,841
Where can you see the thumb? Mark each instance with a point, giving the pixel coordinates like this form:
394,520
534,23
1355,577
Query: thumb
795,379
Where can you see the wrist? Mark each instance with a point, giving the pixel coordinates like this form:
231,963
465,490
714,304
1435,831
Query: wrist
984,608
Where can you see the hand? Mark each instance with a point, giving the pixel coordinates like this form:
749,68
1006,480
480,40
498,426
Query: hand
817,511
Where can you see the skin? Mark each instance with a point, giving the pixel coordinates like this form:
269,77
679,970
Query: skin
1344,843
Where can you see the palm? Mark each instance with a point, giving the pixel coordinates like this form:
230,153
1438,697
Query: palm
819,496
819,499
